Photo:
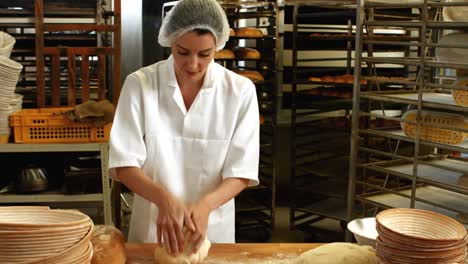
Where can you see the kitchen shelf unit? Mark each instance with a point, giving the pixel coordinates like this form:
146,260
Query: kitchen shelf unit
255,207
321,35
102,199
413,173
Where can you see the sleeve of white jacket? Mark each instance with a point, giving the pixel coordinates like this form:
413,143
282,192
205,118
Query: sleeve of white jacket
242,159
127,146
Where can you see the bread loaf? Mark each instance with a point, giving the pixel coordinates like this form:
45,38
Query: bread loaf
254,76
249,33
247,53
224,54
435,134
108,245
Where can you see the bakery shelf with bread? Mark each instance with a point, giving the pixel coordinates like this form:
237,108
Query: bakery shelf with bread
251,52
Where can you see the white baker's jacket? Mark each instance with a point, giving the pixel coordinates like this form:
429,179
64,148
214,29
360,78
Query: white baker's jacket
188,152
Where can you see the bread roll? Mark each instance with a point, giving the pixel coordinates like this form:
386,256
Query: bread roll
435,134
224,54
254,76
247,53
232,33
249,33
108,245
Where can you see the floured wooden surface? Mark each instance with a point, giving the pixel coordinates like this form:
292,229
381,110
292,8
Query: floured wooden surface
242,253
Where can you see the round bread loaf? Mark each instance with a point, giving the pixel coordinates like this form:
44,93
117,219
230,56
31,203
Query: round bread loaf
224,54
108,245
249,32
252,75
247,53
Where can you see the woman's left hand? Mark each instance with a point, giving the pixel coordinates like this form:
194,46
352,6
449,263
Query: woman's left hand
199,212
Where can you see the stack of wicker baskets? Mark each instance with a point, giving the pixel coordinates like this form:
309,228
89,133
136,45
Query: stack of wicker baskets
419,236
36,235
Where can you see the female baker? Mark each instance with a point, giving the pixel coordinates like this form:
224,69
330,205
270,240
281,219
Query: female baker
185,137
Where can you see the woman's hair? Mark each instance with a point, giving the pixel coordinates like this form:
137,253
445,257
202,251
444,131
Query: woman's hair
190,15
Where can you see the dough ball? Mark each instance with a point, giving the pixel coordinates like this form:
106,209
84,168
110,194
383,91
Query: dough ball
162,257
338,253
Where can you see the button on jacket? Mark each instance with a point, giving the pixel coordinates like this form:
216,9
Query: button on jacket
189,152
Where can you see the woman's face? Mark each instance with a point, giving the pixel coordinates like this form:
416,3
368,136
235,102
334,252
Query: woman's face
192,53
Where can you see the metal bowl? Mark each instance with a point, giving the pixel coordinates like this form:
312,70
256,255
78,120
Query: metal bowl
32,179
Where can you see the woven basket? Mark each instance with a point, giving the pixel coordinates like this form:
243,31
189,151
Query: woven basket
461,96
435,134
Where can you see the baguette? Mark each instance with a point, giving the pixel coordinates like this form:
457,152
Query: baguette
249,32
435,134
224,54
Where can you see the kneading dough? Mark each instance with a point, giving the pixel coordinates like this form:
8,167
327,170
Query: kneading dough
162,257
338,253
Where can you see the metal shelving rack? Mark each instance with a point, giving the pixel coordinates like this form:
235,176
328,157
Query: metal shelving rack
319,125
413,173
255,207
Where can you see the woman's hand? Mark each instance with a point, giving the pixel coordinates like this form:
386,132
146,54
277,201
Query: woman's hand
171,217
199,213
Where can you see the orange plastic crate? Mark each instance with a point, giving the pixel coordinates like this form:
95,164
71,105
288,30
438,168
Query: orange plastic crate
49,125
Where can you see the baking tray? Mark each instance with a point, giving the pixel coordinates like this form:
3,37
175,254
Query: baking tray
400,135
431,98
443,172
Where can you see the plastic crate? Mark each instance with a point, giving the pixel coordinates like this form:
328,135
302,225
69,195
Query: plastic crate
50,125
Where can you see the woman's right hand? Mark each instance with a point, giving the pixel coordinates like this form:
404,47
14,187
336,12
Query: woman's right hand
171,217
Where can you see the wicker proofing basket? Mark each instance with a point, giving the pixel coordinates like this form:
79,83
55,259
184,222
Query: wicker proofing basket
435,134
461,96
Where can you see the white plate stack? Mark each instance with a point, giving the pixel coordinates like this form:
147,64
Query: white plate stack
418,236
39,235
9,74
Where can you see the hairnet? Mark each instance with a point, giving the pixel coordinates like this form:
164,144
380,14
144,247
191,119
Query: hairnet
188,15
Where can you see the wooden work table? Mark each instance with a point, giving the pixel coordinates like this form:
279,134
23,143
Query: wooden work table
228,253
